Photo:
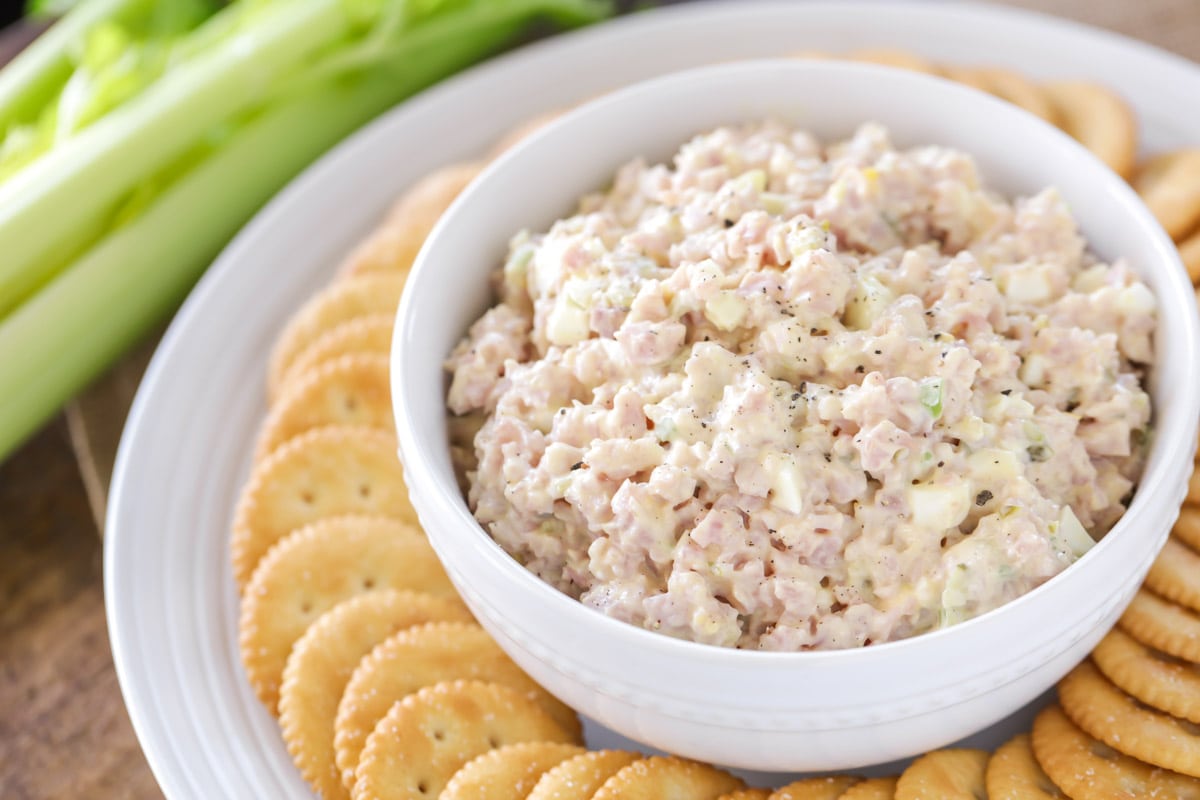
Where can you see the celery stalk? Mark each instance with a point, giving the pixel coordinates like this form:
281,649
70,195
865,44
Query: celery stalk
92,171
65,335
45,65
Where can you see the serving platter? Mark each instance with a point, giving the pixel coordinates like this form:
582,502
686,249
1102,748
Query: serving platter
171,600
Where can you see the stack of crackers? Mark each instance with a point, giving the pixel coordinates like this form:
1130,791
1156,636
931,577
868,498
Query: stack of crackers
385,687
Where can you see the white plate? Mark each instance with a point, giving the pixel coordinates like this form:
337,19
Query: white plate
171,602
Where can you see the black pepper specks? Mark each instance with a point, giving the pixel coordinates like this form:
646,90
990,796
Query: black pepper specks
983,498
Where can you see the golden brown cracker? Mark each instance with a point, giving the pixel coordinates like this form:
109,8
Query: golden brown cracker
893,57
421,657
352,391
323,660
1086,769
1020,91
968,76
1170,187
394,245
1193,488
428,736
872,789
747,794
1105,712
1175,574
361,296
369,335
829,788
1189,254
944,775
524,130
580,777
313,569
325,472
1099,119
1187,526
509,773
1160,624
662,777
1154,678
1152,170
1014,774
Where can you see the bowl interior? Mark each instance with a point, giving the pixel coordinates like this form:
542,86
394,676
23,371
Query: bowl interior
542,179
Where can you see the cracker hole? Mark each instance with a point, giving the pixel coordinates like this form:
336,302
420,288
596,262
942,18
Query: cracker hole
493,742
308,497
368,583
350,404
305,608
364,490
423,787
439,735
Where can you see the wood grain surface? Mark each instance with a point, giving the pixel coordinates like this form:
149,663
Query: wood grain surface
64,732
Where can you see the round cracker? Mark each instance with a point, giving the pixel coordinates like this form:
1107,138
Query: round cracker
369,335
944,775
394,245
313,569
352,391
509,773
1189,254
325,472
1162,625
1170,187
1152,170
361,296
1154,678
1193,489
872,789
1086,769
893,57
428,736
1014,774
747,794
1175,574
1020,91
829,788
420,657
968,76
660,777
1187,527
580,777
1105,712
323,660
524,130
1099,119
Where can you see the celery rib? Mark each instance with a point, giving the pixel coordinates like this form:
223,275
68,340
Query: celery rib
61,338
45,65
91,172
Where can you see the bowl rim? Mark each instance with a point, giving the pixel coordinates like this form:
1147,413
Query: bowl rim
1149,495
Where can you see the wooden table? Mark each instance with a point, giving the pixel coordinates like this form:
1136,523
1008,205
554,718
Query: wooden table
63,728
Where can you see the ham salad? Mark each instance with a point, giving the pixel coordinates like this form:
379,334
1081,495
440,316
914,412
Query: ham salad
786,395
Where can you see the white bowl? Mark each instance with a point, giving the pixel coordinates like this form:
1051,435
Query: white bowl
766,710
